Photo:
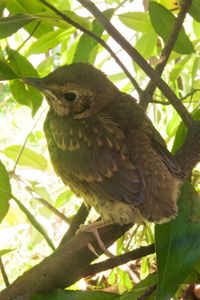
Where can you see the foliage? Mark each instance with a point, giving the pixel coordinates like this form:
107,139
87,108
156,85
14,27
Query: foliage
36,212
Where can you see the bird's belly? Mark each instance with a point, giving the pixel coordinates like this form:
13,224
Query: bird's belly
118,212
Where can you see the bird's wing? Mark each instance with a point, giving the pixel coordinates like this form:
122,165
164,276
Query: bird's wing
133,116
103,168
159,145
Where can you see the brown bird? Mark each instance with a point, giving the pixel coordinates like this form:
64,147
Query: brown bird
105,148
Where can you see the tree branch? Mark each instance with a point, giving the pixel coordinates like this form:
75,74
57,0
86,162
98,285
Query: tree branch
96,38
189,153
62,268
142,63
119,260
146,95
78,219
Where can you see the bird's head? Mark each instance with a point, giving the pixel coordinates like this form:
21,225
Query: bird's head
79,90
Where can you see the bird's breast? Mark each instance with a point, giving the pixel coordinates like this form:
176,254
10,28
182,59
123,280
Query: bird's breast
72,135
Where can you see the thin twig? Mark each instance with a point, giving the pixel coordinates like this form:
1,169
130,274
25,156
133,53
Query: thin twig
98,39
48,205
34,222
142,63
28,38
3,272
121,4
38,198
119,260
25,141
190,94
147,94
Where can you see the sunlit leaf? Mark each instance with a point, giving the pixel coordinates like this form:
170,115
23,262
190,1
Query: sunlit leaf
178,244
24,7
61,4
26,95
63,198
28,158
86,44
182,131
49,41
175,73
5,191
45,67
146,44
138,21
5,251
163,21
51,18
20,65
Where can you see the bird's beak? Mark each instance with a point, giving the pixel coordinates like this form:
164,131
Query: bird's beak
35,82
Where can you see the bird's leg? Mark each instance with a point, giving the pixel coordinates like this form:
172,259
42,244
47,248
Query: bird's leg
93,228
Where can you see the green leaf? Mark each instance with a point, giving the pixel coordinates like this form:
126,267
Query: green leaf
180,65
141,288
5,251
63,198
138,21
163,21
182,131
146,44
61,4
2,6
18,6
11,24
178,244
6,72
196,29
194,10
46,66
49,41
5,191
86,44
28,158
51,18
20,65
24,7
26,95
75,295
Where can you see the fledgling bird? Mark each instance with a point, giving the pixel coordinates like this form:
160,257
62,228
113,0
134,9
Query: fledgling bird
105,148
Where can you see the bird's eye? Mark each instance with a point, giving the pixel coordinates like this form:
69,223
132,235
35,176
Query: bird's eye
70,96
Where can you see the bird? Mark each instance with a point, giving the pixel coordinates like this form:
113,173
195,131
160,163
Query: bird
105,148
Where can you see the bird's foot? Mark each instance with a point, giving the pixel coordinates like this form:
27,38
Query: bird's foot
93,228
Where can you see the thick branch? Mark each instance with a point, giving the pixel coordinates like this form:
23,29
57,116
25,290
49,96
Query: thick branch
142,63
96,38
147,94
189,153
